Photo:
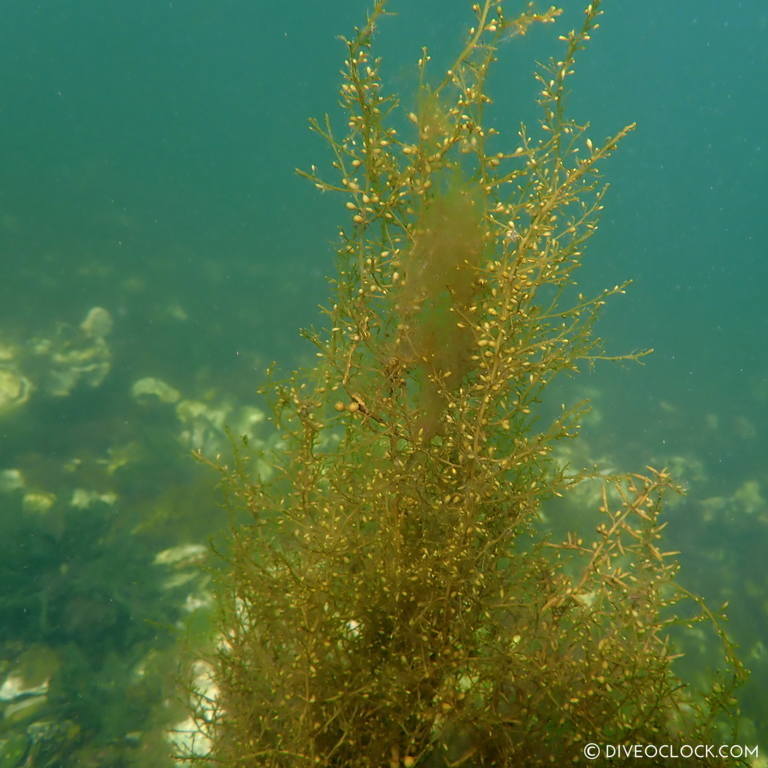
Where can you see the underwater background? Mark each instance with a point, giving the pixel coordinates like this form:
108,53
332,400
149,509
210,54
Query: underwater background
157,252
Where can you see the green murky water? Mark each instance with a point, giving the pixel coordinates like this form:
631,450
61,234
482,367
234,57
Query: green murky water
148,153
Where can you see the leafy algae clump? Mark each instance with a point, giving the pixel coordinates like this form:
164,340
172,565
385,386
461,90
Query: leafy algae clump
392,601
